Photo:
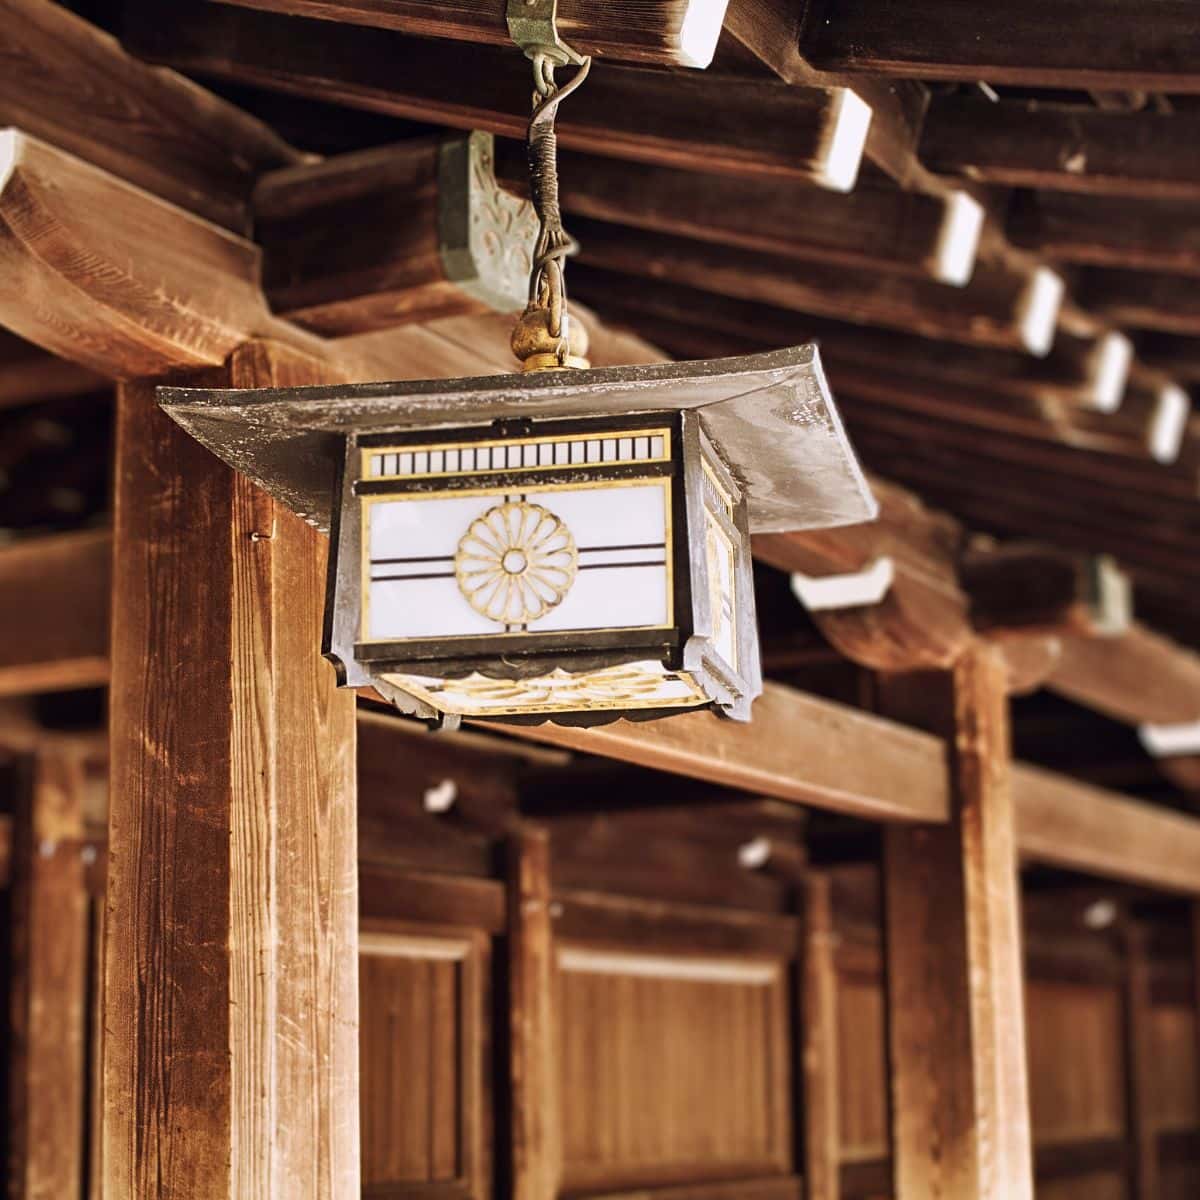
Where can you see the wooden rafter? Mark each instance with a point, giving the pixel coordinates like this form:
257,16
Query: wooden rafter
66,82
666,32
757,127
1111,45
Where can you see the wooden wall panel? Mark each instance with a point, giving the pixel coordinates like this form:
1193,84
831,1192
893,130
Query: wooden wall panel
862,1063
1096,1185
1076,1074
676,1068
1175,1099
422,1063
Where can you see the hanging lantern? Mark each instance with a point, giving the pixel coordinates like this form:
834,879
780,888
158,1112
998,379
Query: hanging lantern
568,543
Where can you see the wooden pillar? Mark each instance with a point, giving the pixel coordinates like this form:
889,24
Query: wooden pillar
1141,1081
231,1003
533,1066
960,1113
819,1067
47,1068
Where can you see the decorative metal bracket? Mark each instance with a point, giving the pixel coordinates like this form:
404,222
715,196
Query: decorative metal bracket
533,25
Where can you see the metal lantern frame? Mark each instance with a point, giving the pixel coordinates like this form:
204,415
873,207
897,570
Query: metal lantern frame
761,431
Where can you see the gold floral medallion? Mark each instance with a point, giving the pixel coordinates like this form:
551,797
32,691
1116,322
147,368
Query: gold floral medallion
515,563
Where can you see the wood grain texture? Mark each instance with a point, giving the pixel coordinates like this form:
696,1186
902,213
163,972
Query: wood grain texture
66,82
47,993
876,225
537,1115
672,1099
798,748
1064,147
55,590
752,127
1142,1072
1112,46
109,276
995,309
231,967
960,1109
1064,823
391,272
1140,677
820,1030
665,32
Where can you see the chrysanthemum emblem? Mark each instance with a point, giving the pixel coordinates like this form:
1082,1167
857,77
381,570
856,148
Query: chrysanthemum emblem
515,563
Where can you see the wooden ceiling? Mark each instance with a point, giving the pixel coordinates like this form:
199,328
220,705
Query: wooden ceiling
1001,273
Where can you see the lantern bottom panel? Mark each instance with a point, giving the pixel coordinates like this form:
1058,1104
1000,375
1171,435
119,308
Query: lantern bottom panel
636,685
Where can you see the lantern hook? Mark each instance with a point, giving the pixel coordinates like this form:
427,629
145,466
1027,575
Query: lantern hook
533,25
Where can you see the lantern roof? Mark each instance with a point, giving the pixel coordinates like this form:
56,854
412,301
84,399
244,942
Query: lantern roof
771,416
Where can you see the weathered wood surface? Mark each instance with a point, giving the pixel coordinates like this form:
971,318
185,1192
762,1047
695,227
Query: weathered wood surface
798,748
666,32
390,272
54,603
1141,299
28,374
960,1111
48,983
1110,46
230,1056
922,621
819,1050
767,32
109,276
752,127
1064,823
1064,147
1143,234
533,1046
1001,306
1139,677
67,82
876,225
1082,370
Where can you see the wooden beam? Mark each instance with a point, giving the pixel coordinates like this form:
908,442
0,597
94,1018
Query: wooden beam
960,1111
1030,586
679,33
819,1058
1142,234
70,84
1014,309
1139,677
798,748
1176,356
764,128
768,32
126,285
1064,147
1064,823
922,620
434,236
54,605
1141,1068
533,1065
877,225
1081,370
230,1055
1111,47
28,374
1136,299
49,972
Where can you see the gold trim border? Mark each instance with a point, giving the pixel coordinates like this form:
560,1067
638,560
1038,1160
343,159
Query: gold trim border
659,481
369,452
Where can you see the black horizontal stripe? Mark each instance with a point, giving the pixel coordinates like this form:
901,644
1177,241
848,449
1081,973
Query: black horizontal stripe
617,565
639,546
399,578
393,562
